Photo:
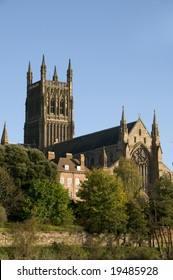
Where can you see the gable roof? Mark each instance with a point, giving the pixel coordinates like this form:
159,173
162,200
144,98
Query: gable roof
140,121
72,163
90,141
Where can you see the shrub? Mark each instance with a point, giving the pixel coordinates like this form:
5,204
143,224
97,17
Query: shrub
3,215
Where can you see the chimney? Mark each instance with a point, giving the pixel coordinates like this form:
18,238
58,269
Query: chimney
51,155
82,161
69,155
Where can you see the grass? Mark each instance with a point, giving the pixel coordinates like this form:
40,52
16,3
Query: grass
5,227
75,252
63,228
46,227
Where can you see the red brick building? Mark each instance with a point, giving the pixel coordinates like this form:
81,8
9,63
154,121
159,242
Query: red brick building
71,172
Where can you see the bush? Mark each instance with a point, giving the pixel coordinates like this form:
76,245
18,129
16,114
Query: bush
3,215
24,240
66,252
143,254
4,254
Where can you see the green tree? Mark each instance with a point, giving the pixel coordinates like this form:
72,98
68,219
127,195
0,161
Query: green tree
11,197
137,226
130,176
22,165
39,166
49,202
26,164
102,206
161,213
137,204
16,162
2,155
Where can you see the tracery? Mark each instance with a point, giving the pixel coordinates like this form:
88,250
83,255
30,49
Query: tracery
142,159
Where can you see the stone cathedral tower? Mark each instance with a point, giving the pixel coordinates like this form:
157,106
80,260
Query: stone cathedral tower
49,109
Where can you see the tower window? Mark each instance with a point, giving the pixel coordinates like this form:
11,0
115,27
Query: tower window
52,106
66,108
140,132
145,141
48,108
62,107
135,139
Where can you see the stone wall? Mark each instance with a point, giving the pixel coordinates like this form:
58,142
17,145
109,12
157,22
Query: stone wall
75,238
43,238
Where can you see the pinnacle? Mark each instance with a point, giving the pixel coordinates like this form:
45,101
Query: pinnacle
4,138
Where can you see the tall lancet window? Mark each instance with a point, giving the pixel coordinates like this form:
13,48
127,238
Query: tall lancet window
52,106
62,106
142,159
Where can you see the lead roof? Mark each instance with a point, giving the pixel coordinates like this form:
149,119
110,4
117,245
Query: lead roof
90,141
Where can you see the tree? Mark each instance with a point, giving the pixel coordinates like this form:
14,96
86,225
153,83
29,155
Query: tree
26,164
49,202
22,166
39,166
2,155
130,176
137,226
11,197
161,213
102,206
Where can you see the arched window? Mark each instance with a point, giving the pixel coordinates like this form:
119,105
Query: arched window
52,106
142,159
66,108
48,109
62,106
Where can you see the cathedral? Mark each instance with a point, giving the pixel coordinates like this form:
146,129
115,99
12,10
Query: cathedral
49,126
103,149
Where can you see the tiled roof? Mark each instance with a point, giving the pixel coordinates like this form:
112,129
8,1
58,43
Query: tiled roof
72,163
89,142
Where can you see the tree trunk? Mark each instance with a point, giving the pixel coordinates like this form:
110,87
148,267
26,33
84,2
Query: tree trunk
158,243
161,237
164,236
170,232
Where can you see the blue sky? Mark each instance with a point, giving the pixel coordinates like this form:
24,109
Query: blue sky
121,53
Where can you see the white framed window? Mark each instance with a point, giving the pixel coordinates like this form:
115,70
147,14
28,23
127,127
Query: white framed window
66,166
77,182
62,181
69,182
